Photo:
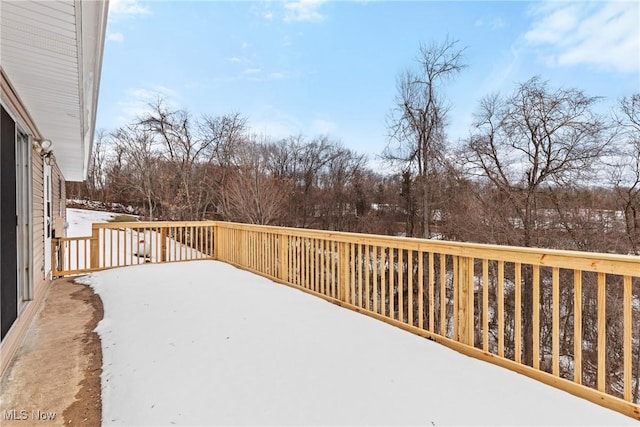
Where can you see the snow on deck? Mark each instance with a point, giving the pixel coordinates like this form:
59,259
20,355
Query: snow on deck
203,343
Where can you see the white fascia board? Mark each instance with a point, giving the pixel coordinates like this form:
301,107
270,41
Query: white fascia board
91,31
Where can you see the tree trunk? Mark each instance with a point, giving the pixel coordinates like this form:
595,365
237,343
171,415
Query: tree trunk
426,232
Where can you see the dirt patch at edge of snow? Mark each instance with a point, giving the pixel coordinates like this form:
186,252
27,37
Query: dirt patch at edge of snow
88,404
54,379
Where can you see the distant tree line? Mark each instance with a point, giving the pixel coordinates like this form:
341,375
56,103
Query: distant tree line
540,168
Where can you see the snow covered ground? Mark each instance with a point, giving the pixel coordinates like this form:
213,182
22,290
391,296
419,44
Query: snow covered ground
80,221
203,343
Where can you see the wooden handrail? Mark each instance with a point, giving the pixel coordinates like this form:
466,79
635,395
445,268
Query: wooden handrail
587,261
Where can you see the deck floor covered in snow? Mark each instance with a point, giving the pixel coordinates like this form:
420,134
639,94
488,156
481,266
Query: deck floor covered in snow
204,343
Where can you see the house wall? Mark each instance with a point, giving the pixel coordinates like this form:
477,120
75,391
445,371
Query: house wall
58,209
59,197
40,281
37,164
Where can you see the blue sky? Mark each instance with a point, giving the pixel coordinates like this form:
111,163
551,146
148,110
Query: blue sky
329,67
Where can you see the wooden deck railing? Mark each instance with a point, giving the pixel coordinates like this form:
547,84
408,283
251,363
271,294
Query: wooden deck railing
121,244
569,319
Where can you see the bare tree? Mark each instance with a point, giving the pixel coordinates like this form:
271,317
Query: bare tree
418,119
301,162
252,195
139,163
626,170
537,137
338,210
222,137
197,155
174,130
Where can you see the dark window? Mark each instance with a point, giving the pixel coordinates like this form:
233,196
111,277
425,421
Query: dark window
8,224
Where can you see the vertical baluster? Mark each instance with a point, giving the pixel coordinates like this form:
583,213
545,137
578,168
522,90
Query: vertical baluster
317,265
367,276
374,265
536,316
401,284
500,296
392,277
577,326
118,248
555,327
485,304
383,281
103,255
352,283
360,270
290,259
334,270
410,286
329,268
456,299
518,313
420,284
201,241
159,233
602,337
432,296
443,294
323,264
626,333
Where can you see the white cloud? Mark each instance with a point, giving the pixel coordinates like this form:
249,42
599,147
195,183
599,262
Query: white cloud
263,10
497,23
254,74
493,24
127,7
115,37
322,126
502,72
120,10
303,11
274,128
605,35
245,45
554,22
236,59
270,120
136,101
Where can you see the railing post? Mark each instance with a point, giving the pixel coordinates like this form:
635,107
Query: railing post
343,271
283,256
244,248
163,244
95,246
55,242
215,241
465,300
